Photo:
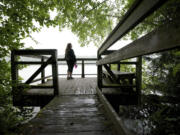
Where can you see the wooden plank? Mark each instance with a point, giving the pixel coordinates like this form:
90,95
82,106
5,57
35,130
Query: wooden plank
107,52
68,115
118,86
77,86
35,56
79,59
29,62
112,115
43,72
38,92
139,78
55,73
99,73
34,52
139,11
40,86
77,74
34,99
82,74
79,63
39,79
14,75
39,70
161,39
128,63
111,73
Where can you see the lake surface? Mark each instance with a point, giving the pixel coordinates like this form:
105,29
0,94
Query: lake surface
62,69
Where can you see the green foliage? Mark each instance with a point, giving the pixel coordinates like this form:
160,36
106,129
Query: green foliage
161,73
164,73
90,20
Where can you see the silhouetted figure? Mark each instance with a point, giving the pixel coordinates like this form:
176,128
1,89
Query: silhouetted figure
70,59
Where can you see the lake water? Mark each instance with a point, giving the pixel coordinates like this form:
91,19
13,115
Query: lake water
62,69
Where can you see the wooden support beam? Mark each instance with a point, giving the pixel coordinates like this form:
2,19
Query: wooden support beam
55,73
34,52
42,72
39,70
99,73
79,59
29,62
35,56
14,73
40,87
112,114
107,52
118,86
161,39
111,73
82,75
118,67
139,77
128,63
138,12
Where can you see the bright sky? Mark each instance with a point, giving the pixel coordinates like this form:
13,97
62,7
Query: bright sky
52,38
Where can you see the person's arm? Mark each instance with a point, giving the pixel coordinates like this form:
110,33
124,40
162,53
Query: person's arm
73,56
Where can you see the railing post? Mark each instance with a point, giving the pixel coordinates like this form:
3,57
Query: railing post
99,73
139,77
82,75
42,72
110,66
55,73
118,67
14,74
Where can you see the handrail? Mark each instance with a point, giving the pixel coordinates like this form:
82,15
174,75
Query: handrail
43,77
82,63
86,59
41,54
161,39
138,12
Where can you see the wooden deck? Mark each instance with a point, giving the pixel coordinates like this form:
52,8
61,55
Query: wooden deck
77,86
76,111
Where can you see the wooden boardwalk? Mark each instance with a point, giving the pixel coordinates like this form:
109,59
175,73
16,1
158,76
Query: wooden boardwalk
77,111
77,86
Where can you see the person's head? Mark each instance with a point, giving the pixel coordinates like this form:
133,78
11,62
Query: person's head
68,47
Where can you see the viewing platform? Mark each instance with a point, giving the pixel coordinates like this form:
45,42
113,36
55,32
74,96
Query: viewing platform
91,106
77,110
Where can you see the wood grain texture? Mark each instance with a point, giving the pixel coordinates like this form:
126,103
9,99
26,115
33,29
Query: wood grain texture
77,86
138,12
161,39
69,115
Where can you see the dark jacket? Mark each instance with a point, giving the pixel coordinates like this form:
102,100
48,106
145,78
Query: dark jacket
70,56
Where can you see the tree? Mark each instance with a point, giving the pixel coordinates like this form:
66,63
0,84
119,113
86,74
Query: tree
90,20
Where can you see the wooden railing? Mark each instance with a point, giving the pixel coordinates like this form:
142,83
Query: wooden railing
164,38
46,57
83,62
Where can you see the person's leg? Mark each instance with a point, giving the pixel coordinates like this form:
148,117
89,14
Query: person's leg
71,70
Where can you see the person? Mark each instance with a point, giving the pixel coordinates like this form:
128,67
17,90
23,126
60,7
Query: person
70,59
